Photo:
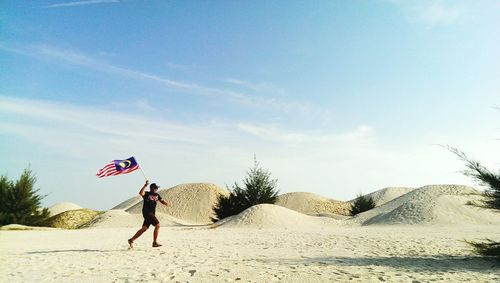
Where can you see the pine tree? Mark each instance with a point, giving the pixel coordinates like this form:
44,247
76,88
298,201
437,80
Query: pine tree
19,201
258,188
361,204
485,177
491,197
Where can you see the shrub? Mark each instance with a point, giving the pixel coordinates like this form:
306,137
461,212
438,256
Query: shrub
258,188
488,248
361,204
73,219
491,197
19,201
485,177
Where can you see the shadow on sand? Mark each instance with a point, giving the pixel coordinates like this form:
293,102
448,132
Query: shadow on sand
427,264
74,251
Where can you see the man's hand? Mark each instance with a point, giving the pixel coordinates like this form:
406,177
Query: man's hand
141,192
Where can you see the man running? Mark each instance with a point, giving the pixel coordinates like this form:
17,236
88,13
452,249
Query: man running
148,212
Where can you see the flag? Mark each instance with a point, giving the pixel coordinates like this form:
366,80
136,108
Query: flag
117,167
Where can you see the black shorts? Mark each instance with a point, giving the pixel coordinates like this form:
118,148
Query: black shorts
149,219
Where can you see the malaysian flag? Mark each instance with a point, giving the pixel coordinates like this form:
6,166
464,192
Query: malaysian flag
117,167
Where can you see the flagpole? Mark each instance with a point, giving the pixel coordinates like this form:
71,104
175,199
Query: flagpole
142,171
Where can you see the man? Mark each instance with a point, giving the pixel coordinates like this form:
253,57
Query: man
148,212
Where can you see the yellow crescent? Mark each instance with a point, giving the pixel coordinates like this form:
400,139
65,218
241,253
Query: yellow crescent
125,163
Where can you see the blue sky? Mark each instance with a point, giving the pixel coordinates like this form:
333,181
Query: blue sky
334,97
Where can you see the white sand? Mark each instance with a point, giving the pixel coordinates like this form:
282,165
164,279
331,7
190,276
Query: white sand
62,207
128,203
387,194
271,216
430,205
269,243
116,218
188,202
312,204
341,254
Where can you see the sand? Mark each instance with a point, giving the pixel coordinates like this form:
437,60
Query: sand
63,207
189,202
430,205
72,219
385,195
269,216
128,203
417,236
341,254
18,227
121,219
313,204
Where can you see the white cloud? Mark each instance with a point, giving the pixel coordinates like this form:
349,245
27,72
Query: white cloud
432,12
276,134
191,88
179,67
258,87
96,122
76,140
438,13
81,3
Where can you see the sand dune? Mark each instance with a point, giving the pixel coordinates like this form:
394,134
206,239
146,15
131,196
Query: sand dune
435,204
192,204
118,218
72,219
271,216
265,243
312,204
128,203
387,194
188,202
62,207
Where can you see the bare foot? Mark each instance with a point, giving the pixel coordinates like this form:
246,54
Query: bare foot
155,245
130,243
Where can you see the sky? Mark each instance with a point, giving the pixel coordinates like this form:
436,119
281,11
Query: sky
336,98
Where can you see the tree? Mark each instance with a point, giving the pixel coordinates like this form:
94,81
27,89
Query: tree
20,202
258,188
491,197
485,177
361,204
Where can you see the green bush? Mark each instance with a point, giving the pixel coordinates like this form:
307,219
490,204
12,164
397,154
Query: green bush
19,201
491,197
361,204
488,248
485,177
258,188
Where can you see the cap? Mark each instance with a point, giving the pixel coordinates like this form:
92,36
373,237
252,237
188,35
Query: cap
154,186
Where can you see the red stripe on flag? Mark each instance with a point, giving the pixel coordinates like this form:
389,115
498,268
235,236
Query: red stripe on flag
110,170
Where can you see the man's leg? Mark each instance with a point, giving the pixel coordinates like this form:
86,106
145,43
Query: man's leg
155,235
137,235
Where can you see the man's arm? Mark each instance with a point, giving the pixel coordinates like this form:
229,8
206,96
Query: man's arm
164,202
141,192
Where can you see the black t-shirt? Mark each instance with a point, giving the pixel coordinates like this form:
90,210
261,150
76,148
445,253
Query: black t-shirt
150,200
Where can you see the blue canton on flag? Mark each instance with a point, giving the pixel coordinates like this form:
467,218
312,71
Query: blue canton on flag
117,167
